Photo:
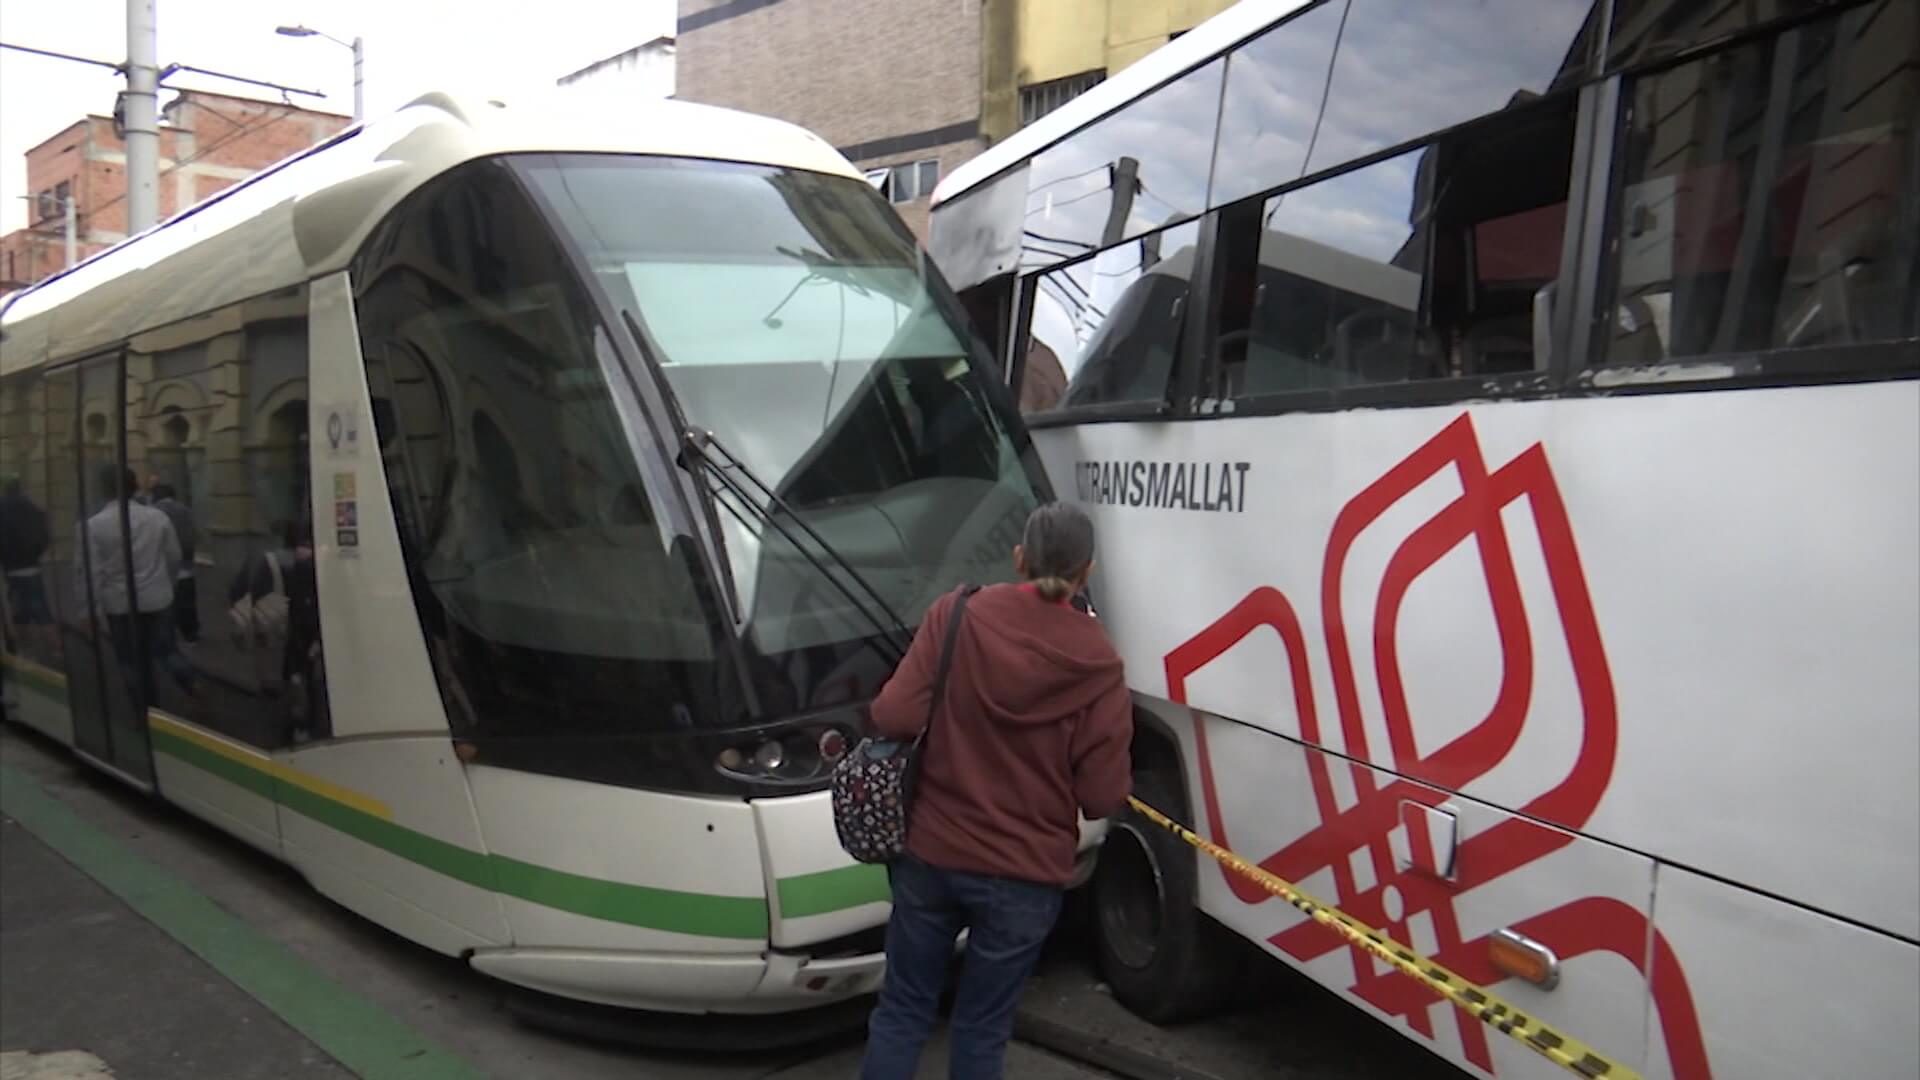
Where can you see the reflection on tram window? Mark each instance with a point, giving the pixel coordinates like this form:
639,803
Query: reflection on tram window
551,601
1123,176
1106,330
29,555
1268,118
216,421
1769,197
1433,264
795,318
1646,30
1405,70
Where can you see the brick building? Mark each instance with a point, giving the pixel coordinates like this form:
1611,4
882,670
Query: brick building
207,142
911,89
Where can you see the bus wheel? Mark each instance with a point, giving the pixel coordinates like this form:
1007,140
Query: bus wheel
1164,959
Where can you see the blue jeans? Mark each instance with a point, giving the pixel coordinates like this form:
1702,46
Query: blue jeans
1009,921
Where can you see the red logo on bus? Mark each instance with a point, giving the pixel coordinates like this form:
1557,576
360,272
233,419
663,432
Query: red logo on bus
1593,924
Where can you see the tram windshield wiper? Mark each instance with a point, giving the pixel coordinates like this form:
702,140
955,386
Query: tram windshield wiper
728,471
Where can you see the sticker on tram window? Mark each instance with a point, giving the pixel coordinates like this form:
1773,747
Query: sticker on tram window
346,514
344,485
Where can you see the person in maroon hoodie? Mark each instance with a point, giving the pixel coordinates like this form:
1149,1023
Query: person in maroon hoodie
1035,725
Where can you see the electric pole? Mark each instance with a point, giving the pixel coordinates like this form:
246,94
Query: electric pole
142,119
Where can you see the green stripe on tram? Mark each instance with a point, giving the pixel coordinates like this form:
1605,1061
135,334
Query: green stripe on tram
670,910
834,890
702,914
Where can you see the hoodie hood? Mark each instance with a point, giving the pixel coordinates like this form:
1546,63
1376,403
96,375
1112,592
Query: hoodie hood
1040,662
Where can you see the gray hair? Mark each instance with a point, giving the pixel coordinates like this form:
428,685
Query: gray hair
1058,544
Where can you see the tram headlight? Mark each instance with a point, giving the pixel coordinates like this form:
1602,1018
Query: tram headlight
770,756
803,754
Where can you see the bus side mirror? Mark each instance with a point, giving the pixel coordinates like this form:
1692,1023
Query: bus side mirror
1543,299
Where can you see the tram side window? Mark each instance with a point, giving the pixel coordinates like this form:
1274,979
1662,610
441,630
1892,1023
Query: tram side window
1769,197
551,603
1432,264
1106,330
217,438
29,555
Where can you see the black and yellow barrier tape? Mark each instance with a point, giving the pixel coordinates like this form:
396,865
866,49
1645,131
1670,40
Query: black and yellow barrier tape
1561,1049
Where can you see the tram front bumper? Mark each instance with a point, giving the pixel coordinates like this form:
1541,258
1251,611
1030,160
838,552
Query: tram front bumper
771,982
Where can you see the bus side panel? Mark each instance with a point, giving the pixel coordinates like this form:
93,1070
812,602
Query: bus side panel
1584,900
1783,992
1560,607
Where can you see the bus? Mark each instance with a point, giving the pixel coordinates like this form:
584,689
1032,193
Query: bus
544,492
1502,424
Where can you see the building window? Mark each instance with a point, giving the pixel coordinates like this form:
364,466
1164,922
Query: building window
906,182
1038,100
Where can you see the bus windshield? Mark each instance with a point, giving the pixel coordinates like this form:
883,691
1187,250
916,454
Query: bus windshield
795,319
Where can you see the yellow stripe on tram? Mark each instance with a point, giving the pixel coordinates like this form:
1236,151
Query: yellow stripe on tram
251,759
27,667
1561,1049
261,763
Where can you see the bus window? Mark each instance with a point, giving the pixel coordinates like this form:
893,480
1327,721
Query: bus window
1106,330
1768,195
1422,266
1404,70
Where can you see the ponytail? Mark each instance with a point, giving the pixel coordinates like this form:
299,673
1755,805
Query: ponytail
1053,589
1058,543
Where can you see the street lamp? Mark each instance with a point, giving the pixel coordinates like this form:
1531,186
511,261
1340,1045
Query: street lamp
359,110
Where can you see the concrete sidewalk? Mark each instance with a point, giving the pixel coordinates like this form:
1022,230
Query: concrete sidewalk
84,972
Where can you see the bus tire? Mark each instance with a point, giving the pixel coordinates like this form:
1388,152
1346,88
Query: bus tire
1165,960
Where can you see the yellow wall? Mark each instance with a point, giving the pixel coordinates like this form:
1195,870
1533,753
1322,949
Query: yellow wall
1025,42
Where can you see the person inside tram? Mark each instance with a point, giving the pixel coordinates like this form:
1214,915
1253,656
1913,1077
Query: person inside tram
139,613
24,537
186,602
1032,726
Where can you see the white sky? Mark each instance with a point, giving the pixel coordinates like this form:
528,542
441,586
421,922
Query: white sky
493,46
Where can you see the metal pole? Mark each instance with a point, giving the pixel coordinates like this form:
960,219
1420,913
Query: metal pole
142,119
73,235
359,97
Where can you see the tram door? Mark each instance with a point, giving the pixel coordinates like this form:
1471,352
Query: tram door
106,652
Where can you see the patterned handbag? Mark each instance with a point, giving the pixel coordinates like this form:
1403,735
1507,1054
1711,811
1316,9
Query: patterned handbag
873,785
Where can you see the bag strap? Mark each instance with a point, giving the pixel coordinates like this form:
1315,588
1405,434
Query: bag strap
946,655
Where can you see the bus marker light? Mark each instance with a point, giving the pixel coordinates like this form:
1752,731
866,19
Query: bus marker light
1524,958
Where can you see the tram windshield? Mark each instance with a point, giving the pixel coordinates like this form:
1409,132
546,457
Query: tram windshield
795,319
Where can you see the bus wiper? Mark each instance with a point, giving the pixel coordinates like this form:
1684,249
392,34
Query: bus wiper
707,448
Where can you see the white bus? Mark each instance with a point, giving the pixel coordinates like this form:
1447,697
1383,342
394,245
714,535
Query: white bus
551,490
1502,426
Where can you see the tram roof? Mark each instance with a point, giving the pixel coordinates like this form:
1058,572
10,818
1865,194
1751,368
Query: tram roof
306,216
1217,35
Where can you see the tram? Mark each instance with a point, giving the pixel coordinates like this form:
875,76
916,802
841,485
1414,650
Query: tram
547,491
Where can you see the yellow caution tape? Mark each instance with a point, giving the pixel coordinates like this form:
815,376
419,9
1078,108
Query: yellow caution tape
1563,1050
